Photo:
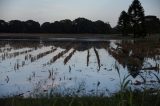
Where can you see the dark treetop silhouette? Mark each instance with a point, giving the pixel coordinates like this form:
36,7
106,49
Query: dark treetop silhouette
133,21
79,25
137,19
123,22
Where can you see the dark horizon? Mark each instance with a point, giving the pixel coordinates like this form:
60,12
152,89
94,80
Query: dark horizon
74,19
77,26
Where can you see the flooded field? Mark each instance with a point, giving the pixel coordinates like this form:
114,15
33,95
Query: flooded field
33,68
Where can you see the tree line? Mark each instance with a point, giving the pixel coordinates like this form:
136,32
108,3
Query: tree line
133,22
79,25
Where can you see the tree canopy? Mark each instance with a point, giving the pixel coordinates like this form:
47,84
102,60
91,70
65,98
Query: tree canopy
123,23
79,25
137,18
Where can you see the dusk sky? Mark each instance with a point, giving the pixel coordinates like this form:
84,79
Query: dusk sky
53,10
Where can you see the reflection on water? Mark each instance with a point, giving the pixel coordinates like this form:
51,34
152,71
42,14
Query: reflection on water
29,68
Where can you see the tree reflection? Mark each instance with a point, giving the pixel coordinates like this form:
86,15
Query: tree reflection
133,55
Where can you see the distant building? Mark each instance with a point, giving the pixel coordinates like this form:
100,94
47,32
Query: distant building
151,18
152,24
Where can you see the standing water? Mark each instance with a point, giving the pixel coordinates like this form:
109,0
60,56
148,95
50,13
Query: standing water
32,68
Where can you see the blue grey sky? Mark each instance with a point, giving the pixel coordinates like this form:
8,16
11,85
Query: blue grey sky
53,10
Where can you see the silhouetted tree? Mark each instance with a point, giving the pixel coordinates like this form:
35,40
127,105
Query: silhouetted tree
46,27
16,26
82,25
32,26
123,23
108,28
116,30
136,13
3,26
66,26
101,27
56,27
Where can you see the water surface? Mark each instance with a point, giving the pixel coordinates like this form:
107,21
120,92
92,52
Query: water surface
31,68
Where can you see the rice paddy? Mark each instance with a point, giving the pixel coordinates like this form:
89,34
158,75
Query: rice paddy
37,69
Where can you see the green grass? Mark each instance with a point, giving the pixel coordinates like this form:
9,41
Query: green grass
127,98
